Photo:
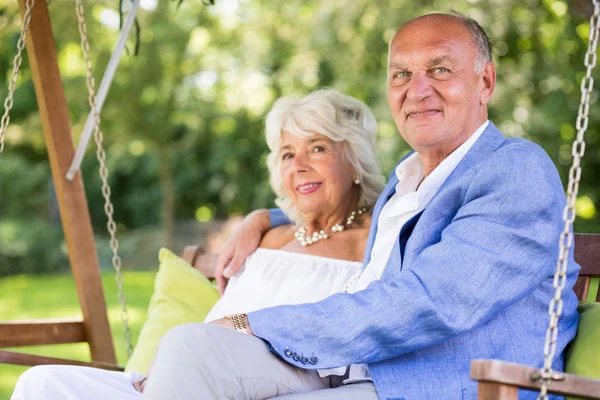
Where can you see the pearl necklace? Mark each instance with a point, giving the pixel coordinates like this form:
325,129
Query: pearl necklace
306,239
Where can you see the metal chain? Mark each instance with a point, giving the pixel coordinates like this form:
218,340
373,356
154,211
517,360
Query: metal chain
101,155
8,103
566,237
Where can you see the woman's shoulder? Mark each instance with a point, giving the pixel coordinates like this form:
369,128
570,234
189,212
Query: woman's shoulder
277,237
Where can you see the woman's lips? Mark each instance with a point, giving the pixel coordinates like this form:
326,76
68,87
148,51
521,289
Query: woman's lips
308,187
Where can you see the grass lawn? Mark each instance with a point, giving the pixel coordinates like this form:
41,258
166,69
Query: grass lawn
54,296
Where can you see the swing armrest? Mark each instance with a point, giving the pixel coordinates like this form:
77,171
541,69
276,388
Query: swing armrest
198,258
500,380
31,360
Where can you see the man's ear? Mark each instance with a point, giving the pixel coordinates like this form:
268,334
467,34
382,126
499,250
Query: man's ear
488,82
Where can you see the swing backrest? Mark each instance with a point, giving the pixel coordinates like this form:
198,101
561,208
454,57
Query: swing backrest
587,254
500,380
201,260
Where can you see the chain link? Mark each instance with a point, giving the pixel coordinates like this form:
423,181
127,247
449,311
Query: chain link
566,237
101,155
8,102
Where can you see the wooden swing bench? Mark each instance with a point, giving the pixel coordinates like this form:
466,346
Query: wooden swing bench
497,379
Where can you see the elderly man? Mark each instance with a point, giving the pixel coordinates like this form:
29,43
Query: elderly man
458,265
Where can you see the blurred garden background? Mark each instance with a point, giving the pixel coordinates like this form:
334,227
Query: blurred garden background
183,122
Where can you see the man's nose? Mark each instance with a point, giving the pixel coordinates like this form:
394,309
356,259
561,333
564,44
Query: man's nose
419,87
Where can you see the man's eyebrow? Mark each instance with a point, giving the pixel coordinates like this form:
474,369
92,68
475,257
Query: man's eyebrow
396,66
441,60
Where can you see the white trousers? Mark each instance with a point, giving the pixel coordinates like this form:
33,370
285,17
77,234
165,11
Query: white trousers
193,361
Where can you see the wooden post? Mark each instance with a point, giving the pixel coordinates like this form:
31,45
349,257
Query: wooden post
496,391
71,195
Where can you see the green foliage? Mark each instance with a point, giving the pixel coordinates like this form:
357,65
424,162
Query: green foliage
183,122
31,247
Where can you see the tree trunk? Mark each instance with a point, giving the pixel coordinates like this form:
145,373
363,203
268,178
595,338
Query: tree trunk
167,187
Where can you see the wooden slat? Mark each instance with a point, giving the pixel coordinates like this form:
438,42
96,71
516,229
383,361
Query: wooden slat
587,253
72,203
190,253
199,259
33,333
496,391
206,263
509,374
582,287
30,360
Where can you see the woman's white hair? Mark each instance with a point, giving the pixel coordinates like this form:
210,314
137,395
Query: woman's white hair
339,117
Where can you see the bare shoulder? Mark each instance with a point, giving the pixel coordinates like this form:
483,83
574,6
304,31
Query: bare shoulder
278,237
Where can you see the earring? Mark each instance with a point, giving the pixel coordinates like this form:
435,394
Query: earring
357,180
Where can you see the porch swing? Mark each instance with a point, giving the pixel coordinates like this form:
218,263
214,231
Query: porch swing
497,379
93,328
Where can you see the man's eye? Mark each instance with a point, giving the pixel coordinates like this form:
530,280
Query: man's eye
401,74
441,70
286,156
318,149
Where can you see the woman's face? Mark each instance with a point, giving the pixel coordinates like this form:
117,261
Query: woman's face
316,174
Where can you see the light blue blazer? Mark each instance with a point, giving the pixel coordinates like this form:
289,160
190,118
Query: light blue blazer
469,277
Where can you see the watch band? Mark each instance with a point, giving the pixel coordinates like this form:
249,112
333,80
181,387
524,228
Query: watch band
239,322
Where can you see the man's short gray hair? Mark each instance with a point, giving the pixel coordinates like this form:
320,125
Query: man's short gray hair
481,41
340,118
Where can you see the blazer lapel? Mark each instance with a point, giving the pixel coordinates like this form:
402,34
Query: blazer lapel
406,231
489,141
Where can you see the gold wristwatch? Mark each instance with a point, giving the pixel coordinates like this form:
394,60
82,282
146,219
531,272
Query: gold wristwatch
239,322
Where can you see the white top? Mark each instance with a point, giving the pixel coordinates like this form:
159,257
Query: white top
277,277
411,196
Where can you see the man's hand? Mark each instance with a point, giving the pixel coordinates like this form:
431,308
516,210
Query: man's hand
228,323
243,243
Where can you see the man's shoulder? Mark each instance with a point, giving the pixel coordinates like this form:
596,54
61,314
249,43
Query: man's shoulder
518,164
518,151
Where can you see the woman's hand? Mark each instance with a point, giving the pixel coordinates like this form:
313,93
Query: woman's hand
239,246
140,385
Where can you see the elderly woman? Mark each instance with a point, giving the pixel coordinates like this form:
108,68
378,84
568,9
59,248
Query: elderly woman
323,170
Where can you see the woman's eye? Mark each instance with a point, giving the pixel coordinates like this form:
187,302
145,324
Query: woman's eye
318,149
286,156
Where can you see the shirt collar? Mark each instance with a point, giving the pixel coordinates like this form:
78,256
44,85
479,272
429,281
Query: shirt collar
411,174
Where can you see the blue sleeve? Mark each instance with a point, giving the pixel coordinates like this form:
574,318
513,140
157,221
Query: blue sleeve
278,218
498,248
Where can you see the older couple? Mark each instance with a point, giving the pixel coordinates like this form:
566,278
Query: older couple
458,259
323,170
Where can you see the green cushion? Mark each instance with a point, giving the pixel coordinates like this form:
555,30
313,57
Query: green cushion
181,295
583,356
